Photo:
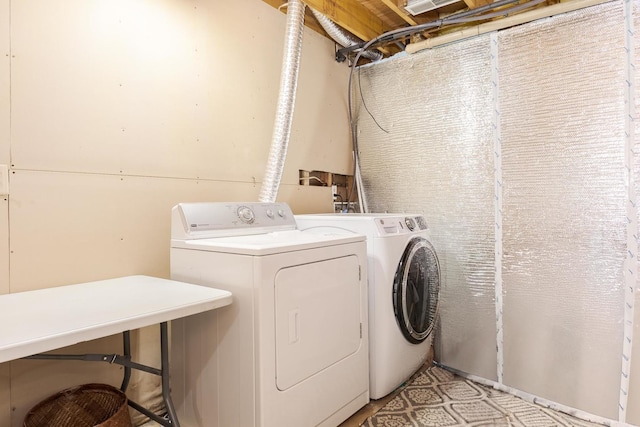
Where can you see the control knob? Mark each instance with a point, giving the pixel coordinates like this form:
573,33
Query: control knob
246,215
411,225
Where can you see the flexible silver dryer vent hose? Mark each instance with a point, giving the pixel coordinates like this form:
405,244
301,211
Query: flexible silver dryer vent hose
286,101
341,37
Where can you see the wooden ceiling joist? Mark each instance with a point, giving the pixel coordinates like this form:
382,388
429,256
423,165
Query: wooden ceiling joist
472,4
348,14
352,16
368,19
391,4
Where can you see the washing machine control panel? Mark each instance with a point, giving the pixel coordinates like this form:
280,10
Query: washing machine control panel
206,220
401,224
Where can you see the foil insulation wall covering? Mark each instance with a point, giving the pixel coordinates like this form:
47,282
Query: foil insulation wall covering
436,159
561,204
633,7
564,213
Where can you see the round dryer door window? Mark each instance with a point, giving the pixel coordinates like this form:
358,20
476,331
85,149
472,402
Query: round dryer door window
416,290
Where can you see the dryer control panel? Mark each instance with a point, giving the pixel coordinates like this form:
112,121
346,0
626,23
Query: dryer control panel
207,220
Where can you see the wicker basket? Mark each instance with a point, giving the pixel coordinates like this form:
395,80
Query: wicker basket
88,405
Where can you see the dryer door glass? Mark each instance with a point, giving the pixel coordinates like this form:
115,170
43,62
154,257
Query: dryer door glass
416,289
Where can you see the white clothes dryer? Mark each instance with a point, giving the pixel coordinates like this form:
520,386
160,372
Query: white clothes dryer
292,348
404,287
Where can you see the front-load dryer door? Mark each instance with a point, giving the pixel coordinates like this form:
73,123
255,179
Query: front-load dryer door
416,288
318,314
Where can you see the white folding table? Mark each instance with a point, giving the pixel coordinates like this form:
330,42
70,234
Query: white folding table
38,321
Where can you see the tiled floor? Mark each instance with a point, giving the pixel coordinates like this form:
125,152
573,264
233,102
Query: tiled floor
370,409
437,397
374,406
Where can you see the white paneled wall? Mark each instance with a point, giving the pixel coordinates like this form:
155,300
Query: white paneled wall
161,89
100,225
4,145
5,52
5,405
113,111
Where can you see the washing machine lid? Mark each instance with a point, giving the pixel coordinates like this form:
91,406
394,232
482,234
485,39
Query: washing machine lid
268,243
416,290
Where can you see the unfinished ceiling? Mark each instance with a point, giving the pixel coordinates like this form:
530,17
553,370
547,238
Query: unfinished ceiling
368,19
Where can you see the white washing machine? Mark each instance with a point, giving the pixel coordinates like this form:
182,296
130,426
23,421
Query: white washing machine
404,287
292,348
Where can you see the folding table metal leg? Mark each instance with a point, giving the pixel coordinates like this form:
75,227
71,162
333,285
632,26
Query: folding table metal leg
125,361
166,388
126,350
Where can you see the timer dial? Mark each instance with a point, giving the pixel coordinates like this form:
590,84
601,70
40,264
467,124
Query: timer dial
246,215
411,225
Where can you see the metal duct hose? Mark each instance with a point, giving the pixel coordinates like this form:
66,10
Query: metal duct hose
286,99
342,38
